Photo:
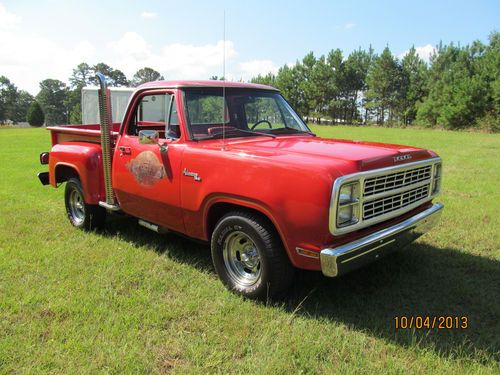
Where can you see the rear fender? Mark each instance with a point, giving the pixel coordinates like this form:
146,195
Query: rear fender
82,160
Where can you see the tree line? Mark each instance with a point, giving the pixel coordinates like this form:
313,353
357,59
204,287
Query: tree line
459,87
14,103
57,102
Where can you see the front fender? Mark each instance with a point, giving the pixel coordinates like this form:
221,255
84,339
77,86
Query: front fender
294,197
85,159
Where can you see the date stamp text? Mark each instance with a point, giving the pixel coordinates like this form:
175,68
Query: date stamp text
431,322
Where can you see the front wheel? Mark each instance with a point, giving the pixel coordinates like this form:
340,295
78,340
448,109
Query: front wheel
249,257
80,214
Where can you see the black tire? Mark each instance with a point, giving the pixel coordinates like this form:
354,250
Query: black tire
80,214
253,237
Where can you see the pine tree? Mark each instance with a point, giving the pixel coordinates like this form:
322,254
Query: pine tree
457,96
383,79
52,97
413,90
35,115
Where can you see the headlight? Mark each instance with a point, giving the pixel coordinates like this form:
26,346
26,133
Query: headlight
348,204
347,215
349,193
436,185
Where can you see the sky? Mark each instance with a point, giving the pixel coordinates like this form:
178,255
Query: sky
183,39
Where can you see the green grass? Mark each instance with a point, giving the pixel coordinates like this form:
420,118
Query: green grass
129,300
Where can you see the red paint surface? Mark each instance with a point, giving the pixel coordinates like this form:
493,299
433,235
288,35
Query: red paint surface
289,178
201,83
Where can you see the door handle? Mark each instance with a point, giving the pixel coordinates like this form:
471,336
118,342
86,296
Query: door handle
124,150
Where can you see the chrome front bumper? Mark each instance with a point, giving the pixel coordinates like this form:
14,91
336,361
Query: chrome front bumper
340,260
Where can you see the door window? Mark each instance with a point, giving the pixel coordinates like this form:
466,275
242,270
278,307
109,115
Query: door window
152,113
172,127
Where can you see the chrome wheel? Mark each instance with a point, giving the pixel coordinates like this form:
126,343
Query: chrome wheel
77,207
80,214
242,259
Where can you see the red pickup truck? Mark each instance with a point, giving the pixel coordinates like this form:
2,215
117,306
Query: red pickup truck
234,165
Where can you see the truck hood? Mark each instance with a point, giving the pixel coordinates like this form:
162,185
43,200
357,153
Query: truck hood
347,156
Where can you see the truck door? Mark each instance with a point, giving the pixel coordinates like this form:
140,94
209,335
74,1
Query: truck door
146,177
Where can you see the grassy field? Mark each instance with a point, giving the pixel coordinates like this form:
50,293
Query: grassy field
129,300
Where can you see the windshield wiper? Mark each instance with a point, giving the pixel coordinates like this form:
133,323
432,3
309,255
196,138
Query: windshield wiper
250,132
283,130
219,134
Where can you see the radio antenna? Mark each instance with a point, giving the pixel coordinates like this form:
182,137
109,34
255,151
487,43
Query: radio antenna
224,84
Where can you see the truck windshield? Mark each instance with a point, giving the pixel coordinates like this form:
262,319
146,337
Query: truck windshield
244,113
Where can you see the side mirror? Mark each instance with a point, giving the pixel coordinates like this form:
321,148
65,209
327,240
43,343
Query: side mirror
151,137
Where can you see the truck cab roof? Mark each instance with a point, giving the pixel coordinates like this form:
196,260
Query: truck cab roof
204,83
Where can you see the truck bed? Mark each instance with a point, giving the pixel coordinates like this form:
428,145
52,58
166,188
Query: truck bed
80,133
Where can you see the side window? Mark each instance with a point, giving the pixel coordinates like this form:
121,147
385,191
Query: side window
152,109
172,126
151,114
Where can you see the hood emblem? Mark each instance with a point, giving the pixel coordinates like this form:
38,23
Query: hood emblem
402,157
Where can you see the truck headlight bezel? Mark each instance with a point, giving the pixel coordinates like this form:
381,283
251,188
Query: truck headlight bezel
348,207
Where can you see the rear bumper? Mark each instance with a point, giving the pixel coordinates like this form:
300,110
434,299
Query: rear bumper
43,177
340,260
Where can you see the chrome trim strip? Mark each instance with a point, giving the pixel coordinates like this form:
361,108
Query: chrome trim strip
361,176
417,225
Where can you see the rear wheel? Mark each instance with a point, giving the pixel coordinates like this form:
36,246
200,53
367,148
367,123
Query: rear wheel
81,214
249,257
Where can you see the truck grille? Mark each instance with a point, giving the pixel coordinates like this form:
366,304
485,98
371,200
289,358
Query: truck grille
367,198
394,202
380,184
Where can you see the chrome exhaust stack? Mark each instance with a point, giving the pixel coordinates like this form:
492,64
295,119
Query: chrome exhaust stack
106,123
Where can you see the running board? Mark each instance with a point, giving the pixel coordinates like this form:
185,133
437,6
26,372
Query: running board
153,227
109,207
